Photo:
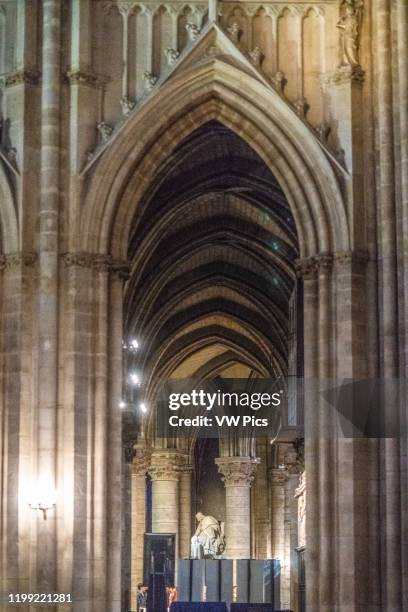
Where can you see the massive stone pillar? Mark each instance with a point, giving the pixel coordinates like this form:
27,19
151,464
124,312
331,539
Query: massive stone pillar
140,465
48,226
237,474
164,470
185,510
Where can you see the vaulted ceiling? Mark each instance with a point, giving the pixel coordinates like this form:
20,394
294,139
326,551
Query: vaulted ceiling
212,247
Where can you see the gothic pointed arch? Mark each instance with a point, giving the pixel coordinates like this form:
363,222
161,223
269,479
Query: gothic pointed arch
215,90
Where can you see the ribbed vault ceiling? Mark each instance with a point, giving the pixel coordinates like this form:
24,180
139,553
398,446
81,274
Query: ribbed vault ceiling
212,248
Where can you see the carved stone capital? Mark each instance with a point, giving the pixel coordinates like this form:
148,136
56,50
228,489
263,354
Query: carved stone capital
237,471
165,465
98,262
20,77
355,260
13,260
278,477
140,461
344,74
306,268
324,262
293,462
90,79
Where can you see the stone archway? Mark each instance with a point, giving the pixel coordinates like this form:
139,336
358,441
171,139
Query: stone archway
331,267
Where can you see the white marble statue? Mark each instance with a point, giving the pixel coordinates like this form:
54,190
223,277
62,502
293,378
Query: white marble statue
208,540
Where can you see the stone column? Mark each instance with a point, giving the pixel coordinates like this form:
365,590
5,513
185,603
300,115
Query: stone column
140,465
277,479
48,226
185,511
238,474
164,471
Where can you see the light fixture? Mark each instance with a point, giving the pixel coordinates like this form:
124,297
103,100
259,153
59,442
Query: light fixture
143,408
134,379
43,497
122,404
134,344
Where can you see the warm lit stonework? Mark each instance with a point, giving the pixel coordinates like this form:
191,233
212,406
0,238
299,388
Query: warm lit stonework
203,190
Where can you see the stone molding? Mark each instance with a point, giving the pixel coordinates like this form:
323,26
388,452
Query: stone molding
20,77
97,261
237,471
21,258
165,465
82,77
309,267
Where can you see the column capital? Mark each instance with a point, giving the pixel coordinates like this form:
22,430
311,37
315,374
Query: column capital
237,471
278,476
140,461
165,465
97,261
293,461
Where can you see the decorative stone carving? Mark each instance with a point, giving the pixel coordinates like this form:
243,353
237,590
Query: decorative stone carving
105,130
351,15
234,31
278,477
301,106
306,268
357,259
279,81
323,131
140,461
171,55
192,30
98,262
12,260
344,74
150,80
90,79
237,471
324,262
127,105
20,77
208,542
165,465
256,56
293,463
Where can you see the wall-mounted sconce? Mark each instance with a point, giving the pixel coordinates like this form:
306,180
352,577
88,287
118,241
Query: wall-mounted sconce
43,497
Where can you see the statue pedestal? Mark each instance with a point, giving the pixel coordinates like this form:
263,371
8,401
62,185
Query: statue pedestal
213,580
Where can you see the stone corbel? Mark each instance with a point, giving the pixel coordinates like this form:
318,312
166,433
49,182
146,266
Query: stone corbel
98,262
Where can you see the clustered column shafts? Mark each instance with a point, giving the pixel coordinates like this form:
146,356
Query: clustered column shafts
238,474
48,224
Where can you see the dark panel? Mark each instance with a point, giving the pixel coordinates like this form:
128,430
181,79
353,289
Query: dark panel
184,579
212,580
243,580
260,581
197,579
226,580
159,556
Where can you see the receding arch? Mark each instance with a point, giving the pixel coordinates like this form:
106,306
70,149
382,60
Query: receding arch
221,92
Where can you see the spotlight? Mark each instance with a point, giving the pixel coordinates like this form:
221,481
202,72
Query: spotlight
122,404
134,379
143,408
134,344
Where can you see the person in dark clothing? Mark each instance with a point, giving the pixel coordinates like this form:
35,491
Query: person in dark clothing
141,598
